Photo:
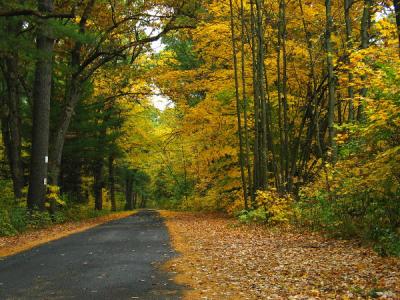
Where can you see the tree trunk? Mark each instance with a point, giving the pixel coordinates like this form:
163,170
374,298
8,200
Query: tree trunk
238,111
12,122
98,185
396,4
72,96
143,202
280,102
128,193
62,129
135,200
263,174
331,82
245,104
365,24
256,150
349,44
41,111
111,178
282,17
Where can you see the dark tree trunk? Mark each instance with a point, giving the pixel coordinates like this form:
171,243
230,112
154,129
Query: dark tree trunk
135,200
12,119
111,178
238,108
72,99
14,125
98,185
245,103
72,96
143,201
396,4
41,112
128,193
256,92
349,44
71,178
331,81
285,142
263,172
365,25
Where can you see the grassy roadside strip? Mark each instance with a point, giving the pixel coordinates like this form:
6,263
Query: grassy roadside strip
10,245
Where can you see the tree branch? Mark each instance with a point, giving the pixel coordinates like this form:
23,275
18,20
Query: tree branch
29,12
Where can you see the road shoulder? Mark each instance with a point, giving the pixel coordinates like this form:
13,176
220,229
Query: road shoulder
15,244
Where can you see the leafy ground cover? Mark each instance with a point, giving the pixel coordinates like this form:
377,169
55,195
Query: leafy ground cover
222,259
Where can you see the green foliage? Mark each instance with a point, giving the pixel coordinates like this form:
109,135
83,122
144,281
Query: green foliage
359,216
387,243
258,215
272,209
80,212
6,227
360,195
170,189
15,217
186,58
12,215
38,219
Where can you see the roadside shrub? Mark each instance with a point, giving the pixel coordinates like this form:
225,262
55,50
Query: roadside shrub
388,243
18,218
351,210
273,208
39,219
277,207
6,227
15,217
258,215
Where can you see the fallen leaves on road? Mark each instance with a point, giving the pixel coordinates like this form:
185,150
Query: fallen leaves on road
221,259
14,244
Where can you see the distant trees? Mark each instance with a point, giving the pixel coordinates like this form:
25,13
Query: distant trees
75,42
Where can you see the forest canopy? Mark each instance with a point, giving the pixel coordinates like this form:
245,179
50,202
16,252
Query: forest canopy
282,111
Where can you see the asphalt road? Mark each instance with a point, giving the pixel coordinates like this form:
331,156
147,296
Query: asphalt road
116,260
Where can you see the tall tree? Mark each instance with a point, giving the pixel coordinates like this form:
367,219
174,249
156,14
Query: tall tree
396,4
348,46
41,110
127,22
238,106
331,80
245,101
11,121
365,41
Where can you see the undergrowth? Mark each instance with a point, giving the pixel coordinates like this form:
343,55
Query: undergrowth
15,218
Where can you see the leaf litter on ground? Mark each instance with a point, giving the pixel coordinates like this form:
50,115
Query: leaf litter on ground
222,259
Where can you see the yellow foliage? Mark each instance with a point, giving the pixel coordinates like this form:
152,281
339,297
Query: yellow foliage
278,207
53,196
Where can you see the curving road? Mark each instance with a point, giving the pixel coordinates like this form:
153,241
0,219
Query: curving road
116,260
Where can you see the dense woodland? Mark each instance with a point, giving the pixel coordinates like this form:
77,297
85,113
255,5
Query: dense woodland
281,111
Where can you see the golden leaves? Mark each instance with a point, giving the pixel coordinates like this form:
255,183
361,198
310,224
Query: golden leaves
221,259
